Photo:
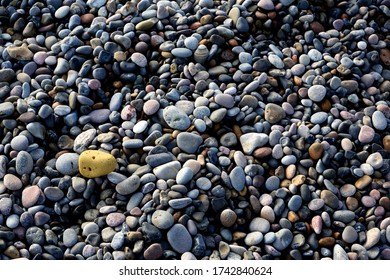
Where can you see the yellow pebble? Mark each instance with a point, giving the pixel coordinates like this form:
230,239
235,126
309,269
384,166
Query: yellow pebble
95,163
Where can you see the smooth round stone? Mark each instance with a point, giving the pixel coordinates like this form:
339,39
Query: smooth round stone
253,238
237,178
95,163
330,199
12,221
272,183
224,100
295,203
259,224
273,113
275,61
344,216
339,253
162,219
53,193
316,204
179,239
69,237
203,183
228,218
375,160
283,239
117,241
184,175
315,55
267,5
151,107
191,43
68,163
99,116
251,141
181,52
206,3
349,234
115,219
189,142
316,150
379,120
19,143
347,190
316,223
62,110
24,163
62,12
12,183
317,93
5,206
140,126
176,118
319,117
139,59
366,134
267,213
153,252
242,25
30,196
368,201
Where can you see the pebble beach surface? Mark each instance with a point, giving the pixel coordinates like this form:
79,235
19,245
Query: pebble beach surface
195,129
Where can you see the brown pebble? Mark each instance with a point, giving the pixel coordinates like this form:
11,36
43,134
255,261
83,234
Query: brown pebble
228,217
327,241
325,105
134,235
153,252
237,235
316,150
317,27
12,252
352,203
386,143
292,216
262,152
385,202
363,182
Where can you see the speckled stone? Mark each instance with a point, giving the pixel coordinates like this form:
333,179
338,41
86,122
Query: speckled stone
96,163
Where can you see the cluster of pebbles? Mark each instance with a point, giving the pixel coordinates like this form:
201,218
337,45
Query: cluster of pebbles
240,129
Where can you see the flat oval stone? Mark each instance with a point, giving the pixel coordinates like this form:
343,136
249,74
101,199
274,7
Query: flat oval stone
96,163
237,178
366,134
30,196
115,219
228,218
283,239
189,142
11,182
259,224
68,163
317,93
24,163
349,234
273,113
179,239
129,185
176,118
69,237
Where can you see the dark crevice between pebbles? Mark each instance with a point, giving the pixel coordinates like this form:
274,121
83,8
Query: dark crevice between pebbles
240,129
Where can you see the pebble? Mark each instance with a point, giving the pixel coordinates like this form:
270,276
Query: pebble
251,141
366,134
12,183
379,120
176,118
68,163
95,163
162,219
179,239
30,196
151,107
69,237
283,239
237,178
273,113
189,142
259,224
20,143
228,218
317,93
349,234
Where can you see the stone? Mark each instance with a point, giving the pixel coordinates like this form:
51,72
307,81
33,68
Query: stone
228,218
139,59
317,93
19,143
189,142
283,239
115,219
237,178
375,160
259,224
319,117
96,163
24,163
253,238
83,140
129,185
379,120
330,199
366,134
162,219
151,107
273,113
69,237
349,234
6,75
339,253
12,183
20,52
372,238
251,141
316,150
267,5
167,171
184,176
179,239
176,118
30,196
153,252
68,163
